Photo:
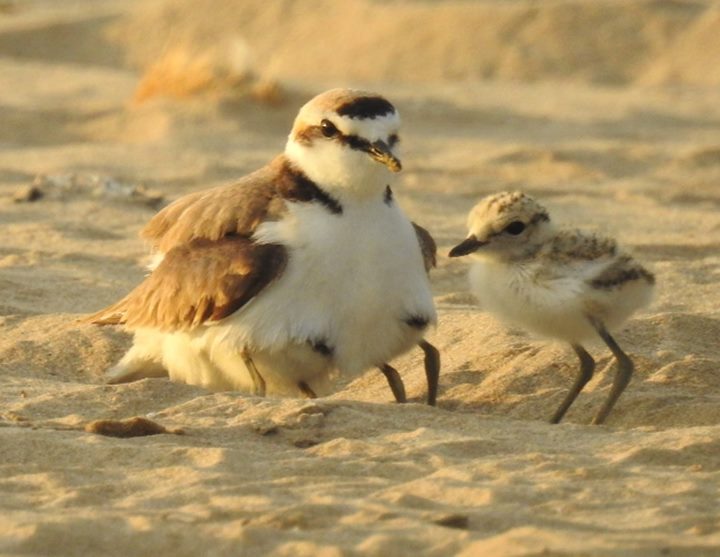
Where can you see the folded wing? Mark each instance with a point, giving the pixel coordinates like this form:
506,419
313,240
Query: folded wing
197,282
428,247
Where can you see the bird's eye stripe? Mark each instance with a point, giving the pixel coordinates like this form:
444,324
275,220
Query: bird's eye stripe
355,142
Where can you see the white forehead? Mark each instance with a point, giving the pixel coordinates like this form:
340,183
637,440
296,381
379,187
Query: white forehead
370,128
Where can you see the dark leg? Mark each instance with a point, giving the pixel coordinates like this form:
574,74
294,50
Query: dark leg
587,367
306,390
258,381
432,370
622,375
395,382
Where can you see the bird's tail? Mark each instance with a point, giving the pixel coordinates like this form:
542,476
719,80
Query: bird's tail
116,314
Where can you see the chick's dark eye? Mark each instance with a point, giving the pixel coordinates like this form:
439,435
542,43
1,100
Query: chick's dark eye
328,128
515,228
393,139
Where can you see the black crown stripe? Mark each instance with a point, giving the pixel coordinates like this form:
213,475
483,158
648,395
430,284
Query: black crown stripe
366,107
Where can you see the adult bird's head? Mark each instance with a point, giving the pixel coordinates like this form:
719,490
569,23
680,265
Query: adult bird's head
346,142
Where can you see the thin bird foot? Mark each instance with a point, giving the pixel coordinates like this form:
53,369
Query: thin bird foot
585,373
395,382
625,368
258,381
432,370
306,390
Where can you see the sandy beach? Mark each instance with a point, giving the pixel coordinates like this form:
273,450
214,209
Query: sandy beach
607,112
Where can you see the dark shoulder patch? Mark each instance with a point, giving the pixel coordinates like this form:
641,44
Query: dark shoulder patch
622,271
366,107
295,186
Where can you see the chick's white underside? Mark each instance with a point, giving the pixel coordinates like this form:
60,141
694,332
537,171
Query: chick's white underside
351,281
555,302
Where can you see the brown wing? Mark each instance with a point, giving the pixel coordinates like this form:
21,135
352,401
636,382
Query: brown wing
235,209
427,247
203,280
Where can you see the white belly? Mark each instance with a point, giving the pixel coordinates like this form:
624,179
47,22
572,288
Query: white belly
551,307
554,306
351,282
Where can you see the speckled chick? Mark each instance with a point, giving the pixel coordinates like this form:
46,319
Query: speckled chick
563,284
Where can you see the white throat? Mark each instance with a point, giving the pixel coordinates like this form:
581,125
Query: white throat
344,173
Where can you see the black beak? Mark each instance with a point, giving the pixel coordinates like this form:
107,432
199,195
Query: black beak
380,152
466,247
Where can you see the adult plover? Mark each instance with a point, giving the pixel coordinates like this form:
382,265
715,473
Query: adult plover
563,284
301,271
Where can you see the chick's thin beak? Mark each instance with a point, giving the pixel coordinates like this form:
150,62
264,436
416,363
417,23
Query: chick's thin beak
380,151
466,247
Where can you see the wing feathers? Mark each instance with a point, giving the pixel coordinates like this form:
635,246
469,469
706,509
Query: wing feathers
427,247
201,281
621,271
231,209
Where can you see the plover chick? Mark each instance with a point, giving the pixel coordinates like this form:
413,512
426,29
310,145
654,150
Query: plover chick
301,271
563,284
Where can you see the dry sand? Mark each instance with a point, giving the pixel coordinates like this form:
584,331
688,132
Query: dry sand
607,111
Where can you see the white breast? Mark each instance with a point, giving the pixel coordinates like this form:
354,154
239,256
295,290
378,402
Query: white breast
351,281
555,301
546,305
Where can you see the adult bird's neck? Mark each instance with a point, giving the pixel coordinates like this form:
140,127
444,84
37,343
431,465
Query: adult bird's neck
295,185
347,175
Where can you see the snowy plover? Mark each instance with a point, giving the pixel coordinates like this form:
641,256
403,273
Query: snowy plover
300,271
562,284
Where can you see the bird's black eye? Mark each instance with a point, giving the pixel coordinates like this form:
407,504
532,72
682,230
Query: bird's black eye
328,128
515,228
393,139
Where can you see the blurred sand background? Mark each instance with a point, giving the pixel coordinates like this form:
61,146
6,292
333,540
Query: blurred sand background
607,111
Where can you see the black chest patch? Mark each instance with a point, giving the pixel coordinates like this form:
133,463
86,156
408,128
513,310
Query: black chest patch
295,186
